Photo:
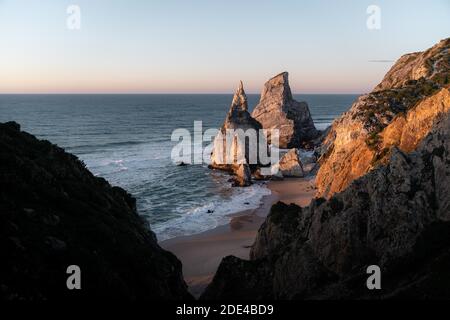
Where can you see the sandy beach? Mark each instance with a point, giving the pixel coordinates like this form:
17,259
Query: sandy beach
201,253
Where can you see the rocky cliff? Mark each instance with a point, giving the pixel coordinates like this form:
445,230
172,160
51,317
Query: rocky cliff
278,110
233,152
55,213
397,217
399,112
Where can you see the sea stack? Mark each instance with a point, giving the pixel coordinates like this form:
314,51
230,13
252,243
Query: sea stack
278,110
235,157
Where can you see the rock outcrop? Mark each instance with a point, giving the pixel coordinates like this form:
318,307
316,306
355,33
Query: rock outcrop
241,156
290,165
55,213
407,131
399,112
418,65
243,176
278,110
397,217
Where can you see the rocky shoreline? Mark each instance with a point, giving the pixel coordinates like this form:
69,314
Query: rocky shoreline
379,181
202,253
396,217
383,200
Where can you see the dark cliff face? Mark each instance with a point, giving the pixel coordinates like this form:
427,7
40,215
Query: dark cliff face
55,213
396,217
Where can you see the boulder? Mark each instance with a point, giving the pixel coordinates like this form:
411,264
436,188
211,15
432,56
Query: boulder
274,175
290,165
243,176
278,110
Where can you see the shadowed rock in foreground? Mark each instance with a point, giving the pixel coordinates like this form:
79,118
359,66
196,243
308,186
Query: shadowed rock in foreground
55,213
397,217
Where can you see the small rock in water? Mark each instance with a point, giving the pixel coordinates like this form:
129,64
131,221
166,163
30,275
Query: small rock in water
247,203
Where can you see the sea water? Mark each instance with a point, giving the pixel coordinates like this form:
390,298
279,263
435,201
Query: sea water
127,140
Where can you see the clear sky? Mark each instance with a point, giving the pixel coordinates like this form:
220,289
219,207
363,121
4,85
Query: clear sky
188,46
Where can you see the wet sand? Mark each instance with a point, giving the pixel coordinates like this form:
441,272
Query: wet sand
201,254
294,190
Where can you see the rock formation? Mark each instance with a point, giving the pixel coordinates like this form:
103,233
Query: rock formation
243,176
290,164
399,112
397,217
55,213
278,110
413,67
236,156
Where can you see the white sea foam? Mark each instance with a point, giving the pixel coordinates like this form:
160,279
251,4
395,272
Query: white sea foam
322,125
211,214
134,153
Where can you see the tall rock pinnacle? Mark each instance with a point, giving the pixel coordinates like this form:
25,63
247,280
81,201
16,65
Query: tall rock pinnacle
278,110
238,151
239,99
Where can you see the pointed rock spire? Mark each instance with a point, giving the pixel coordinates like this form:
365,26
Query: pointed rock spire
239,99
277,86
238,117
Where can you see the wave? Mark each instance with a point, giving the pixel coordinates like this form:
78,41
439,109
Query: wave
322,125
115,165
211,214
105,145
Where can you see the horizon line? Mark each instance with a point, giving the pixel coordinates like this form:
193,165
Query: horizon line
161,93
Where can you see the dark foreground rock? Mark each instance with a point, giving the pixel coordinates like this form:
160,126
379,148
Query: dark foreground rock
55,213
397,217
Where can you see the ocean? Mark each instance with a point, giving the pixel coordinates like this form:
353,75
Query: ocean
127,140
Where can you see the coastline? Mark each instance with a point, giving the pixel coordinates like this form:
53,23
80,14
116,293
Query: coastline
202,253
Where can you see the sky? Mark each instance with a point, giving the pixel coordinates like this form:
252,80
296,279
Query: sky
189,46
